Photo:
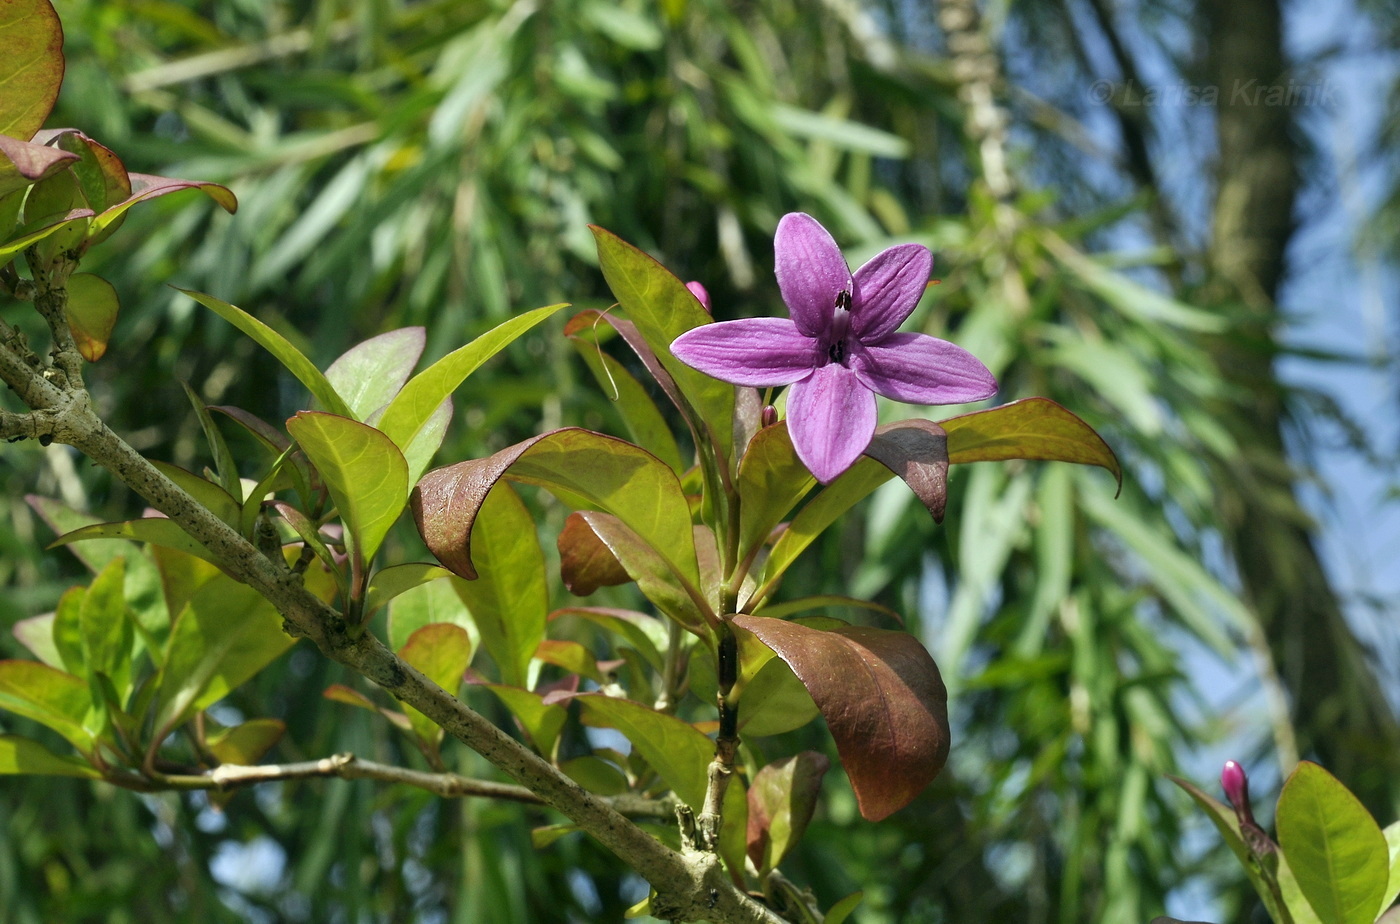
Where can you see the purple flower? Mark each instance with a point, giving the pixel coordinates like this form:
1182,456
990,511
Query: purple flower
840,346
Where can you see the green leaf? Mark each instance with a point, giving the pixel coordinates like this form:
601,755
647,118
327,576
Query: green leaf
21,755
442,652
36,634
370,374
106,630
510,598
841,133
582,468
416,403
224,463
842,909
782,798
281,349
50,697
101,175
662,308
388,583
1032,428
31,69
644,421
771,482
541,720
773,701
218,501
92,313
22,164
420,452
70,223
224,635
363,470
1334,847
246,743
1392,840
642,631
883,700
435,601
68,631
155,530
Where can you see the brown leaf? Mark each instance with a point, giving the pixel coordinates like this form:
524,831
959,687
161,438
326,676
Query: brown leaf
585,561
882,697
917,451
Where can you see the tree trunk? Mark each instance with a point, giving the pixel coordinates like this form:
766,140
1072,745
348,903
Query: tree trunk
1340,713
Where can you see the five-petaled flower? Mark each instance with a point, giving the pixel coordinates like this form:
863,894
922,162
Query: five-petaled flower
840,345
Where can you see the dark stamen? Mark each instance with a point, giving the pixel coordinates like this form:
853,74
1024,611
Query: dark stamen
837,351
843,300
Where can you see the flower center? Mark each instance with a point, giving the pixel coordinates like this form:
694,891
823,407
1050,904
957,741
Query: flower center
840,323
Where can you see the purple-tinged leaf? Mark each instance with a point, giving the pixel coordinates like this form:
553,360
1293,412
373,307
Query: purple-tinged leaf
824,601
782,798
71,221
658,581
1032,428
145,186
246,743
579,466
22,755
368,375
442,652
883,700
23,163
585,561
917,451
101,175
31,69
266,433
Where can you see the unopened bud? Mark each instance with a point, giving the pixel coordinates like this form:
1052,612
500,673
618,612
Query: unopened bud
1236,786
768,416
699,292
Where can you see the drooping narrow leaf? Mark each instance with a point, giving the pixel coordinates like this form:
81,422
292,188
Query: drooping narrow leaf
363,470
510,597
418,400
281,349
1334,847
1032,428
575,464
370,374
883,700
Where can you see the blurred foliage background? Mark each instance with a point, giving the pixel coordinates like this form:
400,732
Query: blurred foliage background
436,162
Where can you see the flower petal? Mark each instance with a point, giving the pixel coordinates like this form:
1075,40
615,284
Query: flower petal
810,271
887,288
831,418
920,369
754,351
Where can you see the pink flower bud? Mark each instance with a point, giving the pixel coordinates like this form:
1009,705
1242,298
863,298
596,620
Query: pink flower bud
768,416
1236,786
699,292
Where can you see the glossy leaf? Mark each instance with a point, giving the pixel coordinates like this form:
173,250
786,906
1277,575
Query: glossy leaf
575,464
916,451
510,598
882,698
442,652
1032,428
22,755
662,308
388,583
425,444
282,350
416,403
364,472
585,561
645,424
425,604
368,375
226,633
50,697
1334,847
31,69
246,743
782,798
